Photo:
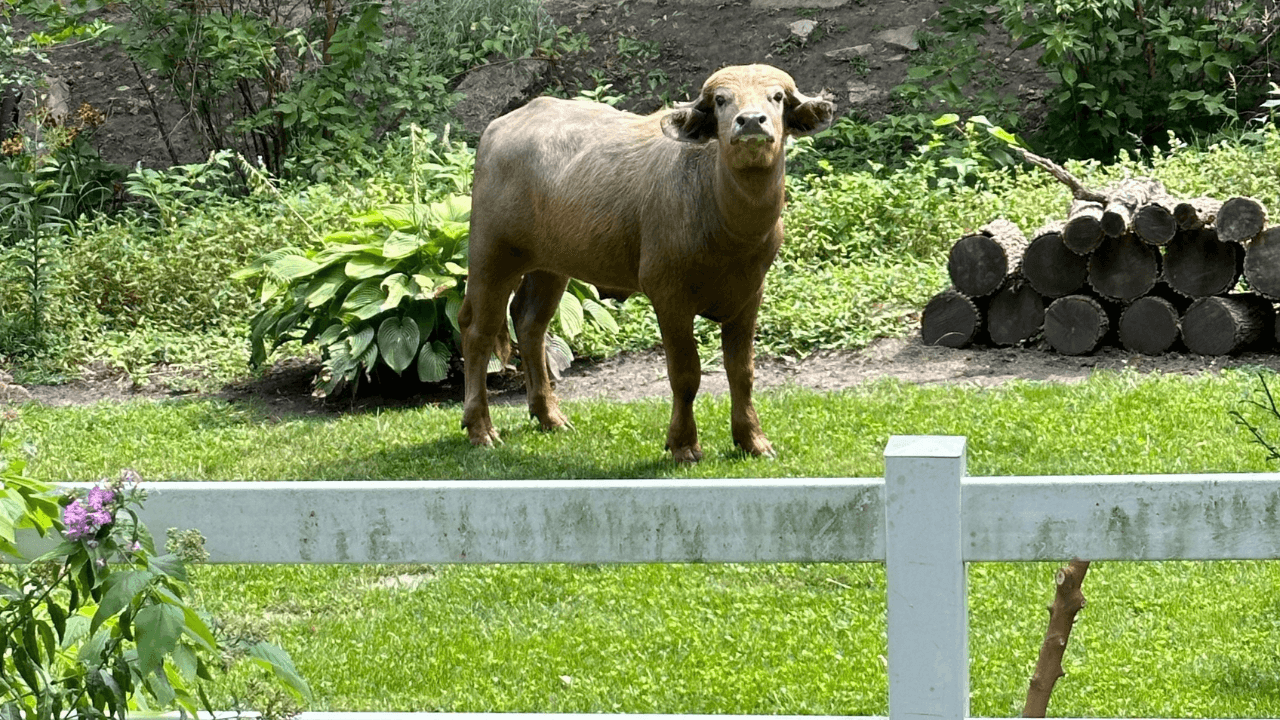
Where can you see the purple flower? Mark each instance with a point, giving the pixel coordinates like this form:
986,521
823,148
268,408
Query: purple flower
99,498
76,520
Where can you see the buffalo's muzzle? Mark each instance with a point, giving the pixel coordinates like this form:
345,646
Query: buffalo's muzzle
751,127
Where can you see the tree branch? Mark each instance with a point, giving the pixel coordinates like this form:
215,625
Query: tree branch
1067,601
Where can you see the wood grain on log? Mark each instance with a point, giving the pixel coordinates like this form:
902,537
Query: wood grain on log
1083,231
1149,325
1262,264
1051,268
1015,314
1123,200
1197,265
1240,219
1195,213
951,320
1226,324
1075,324
1154,221
1124,268
979,263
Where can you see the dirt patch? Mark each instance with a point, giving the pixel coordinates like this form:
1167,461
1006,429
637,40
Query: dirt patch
285,390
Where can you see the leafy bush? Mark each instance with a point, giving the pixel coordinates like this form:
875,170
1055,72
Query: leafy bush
99,624
1128,73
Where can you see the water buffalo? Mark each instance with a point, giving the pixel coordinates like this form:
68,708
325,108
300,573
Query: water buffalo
683,205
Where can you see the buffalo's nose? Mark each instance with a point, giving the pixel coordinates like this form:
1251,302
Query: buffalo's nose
749,122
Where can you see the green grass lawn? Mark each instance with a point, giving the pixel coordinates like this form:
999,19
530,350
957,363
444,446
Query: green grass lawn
1173,639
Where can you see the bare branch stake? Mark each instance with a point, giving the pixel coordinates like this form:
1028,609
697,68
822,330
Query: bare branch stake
1067,601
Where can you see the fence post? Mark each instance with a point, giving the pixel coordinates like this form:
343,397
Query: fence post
925,575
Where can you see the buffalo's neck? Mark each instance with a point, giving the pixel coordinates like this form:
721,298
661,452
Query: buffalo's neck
750,200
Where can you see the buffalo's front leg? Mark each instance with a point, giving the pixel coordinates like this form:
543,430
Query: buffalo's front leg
737,338
685,372
482,317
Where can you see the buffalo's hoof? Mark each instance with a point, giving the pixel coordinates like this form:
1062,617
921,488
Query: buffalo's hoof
687,455
759,447
484,438
553,421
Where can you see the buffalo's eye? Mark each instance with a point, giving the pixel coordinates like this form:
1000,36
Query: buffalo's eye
777,97
721,100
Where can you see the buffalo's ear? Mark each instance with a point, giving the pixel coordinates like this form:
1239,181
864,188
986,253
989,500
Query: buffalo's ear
808,115
694,122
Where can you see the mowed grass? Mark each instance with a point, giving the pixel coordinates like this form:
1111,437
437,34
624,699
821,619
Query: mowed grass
1174,639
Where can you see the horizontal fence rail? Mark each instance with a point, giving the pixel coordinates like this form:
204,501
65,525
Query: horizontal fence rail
924,520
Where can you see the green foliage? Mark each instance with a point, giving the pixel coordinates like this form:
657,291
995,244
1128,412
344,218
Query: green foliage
387,292
1129,72
100,624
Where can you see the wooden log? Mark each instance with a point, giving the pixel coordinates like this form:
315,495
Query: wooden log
1149,325
1240,219
979,263
1226,324
1195,213
951,320
1197,265
1052,269
1083,231
1262,264
1124,268
1154,222
1075,324
1123,200
1015,314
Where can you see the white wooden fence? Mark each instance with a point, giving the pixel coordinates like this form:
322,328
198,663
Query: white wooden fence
924,520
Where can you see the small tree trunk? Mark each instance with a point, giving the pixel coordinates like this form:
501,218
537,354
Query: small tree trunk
1075,324
951,320
1015,314
1240,220
1197,265
1196,213
979,263
1052,269
1124,199
1124,268
1154,222
1068,600
1225,324
1262,264
1083,231
1149,325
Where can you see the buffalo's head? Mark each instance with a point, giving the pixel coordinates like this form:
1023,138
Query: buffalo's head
750,109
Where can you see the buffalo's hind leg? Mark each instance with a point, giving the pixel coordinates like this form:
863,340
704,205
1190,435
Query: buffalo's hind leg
534,305
737,339
481,318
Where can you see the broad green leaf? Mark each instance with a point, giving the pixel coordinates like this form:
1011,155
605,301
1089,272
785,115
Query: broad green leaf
455,268
292,267
184,659
360,341
601,315
397,217
398,287
158,628
278,661
366,293
168,564
433,362
433,286
365,266
330,334
401,245
119,589
398,342
948,119
570,315
197,629
452,306
325,286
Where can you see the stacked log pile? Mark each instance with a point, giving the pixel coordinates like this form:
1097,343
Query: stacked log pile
1130,264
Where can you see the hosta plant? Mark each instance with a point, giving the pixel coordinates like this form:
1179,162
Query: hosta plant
384,294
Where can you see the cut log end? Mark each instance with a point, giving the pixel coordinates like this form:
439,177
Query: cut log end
1197,265
1228,324
1052,269
951,320
1240,219
1124,268
1015,315
1149,325
1262,264
1075,324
